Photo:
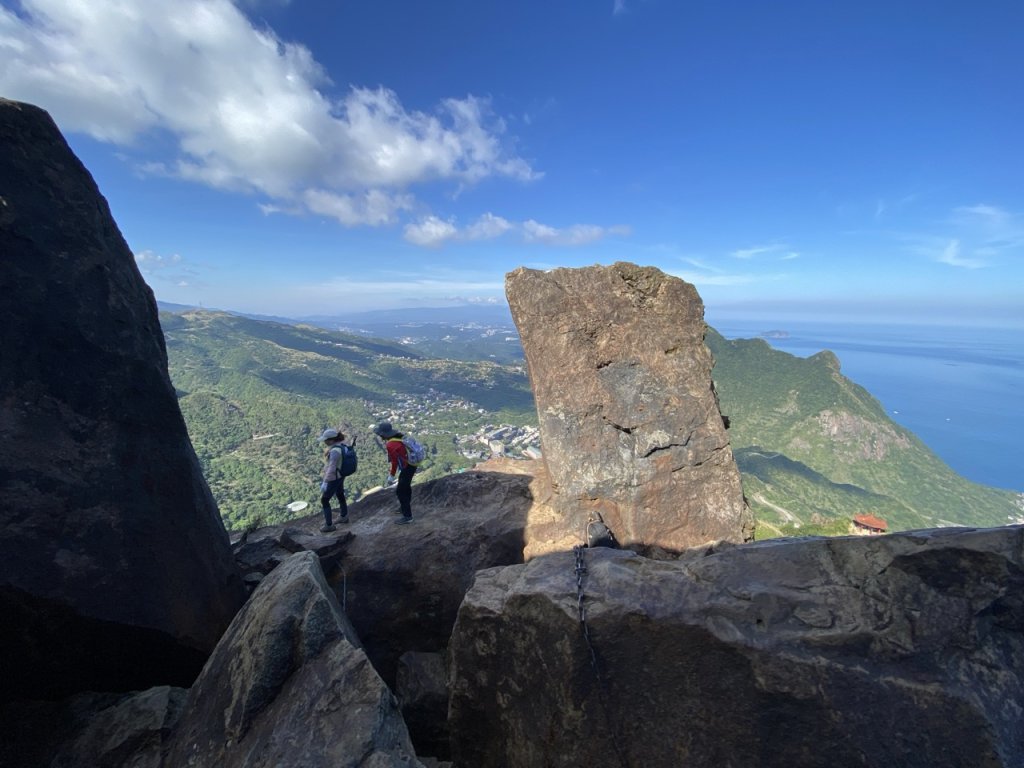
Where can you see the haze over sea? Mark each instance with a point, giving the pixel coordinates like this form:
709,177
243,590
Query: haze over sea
958,389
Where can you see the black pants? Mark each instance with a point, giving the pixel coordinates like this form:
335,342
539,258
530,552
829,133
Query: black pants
334,488
404,489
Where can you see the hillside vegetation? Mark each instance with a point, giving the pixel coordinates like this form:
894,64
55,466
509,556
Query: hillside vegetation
813,448
256,395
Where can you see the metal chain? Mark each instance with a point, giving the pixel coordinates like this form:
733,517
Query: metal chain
602,685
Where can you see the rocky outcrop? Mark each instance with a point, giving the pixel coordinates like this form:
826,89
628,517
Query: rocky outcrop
629,420
893,650
401,586
133,732
115,569
290,685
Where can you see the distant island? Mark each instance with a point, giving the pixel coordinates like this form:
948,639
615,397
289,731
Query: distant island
776,334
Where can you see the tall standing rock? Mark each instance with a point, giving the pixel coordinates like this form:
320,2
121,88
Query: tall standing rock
115,568
629,419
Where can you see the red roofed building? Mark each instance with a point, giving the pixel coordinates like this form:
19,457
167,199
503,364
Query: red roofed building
869,524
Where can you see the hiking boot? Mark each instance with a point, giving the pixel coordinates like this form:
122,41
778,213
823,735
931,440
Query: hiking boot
403,521
343,519
327,528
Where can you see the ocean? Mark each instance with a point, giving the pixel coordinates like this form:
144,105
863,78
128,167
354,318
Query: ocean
960,390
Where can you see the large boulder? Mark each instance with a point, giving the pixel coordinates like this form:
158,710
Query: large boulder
868,652
289,684
402,584
131,733
115,569
629,419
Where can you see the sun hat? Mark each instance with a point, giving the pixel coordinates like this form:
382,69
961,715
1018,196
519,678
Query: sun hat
385,430
329,434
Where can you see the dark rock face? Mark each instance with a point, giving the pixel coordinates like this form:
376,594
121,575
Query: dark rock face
422,690
894,650
629,419
115,569
401,586
262,550
133,732
289,685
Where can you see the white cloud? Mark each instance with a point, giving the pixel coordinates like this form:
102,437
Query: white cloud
699,279
885,207
951,255
488,227
168,270
704,272
373,207
246,110
976,237
535,231
995,228
259,4
149,261
758,250
986,215
578,234
432,231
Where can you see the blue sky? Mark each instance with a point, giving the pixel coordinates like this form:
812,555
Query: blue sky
835,160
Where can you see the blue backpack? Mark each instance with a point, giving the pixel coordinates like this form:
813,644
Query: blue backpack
414,450
349,461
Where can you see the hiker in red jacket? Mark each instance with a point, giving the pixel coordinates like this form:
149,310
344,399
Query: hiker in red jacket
398,456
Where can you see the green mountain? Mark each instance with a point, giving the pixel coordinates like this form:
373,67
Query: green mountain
813,448
256,395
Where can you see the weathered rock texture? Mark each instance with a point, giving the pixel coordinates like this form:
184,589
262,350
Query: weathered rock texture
897,650
422,689
115,569
42,733
401,586
133,732
629,420
289,685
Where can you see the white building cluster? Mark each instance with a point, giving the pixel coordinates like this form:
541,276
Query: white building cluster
503,440
417,414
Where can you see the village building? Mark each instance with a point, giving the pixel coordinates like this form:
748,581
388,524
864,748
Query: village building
869,525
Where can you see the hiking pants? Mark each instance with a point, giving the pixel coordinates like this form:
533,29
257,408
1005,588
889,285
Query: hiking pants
334,488
404,489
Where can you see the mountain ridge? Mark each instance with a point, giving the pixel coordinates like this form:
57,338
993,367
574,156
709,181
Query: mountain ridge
238,377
